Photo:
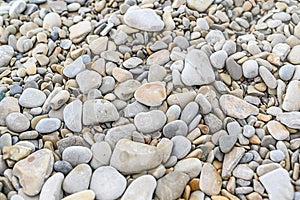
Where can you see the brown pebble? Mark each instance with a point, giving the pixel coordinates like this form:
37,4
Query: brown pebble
194,184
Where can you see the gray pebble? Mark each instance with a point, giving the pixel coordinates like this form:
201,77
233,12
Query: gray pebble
177,127
267,77
189,112
181,146
17,122
250,69
218,59
76,155
277,155
62,166
181,42
248,131
227,142
213,122
286,72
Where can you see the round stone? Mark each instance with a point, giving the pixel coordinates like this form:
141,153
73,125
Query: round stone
88,80
181,146
218,59
250,69
48,125
248,131
76,155
151,94
62,166
177,127
148,122
51,20
286,72
31,98
6,53
277,155
17,122
190,166
277,130
108,183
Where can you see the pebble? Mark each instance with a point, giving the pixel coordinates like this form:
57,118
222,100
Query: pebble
204,105
231,159
189,112
85,194
181,42
200,5
171,185
132,157
148,122
72,116
293,55
17,122
79,31
248,131
181,146
63,167
108,183
31,98
88,80
277,155
234,69
151,94
227,142
290,119
81,175
132,63
51,20
250,69
197,70
176,127
160,57
243,171
267,77
290,102
166,146
125,90
218,59
76,66
76,155
134,17
277,130
190,166
48,125
273,182
143,187
52,188
210,180
8,105
236,107
99,45
101,154
6,53
286,72
17,7
99,111
156,73
34,170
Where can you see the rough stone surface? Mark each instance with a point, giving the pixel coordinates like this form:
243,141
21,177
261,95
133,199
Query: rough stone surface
151,94
210,180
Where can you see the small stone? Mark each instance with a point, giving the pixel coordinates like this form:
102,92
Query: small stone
24,44
197,195
88,80
121,75
76,155
286,72
173,113
293,56
52,189
197,70
210,180
290,102
181,146
190,166
236,107
151,94
273,182
156,73
101,154
34,170
125,90
160,57
199,5
59,99
290,119
76,66
165,146
277,130
177,127
78,179
79,31
48,125
99,45
132,157
62,166
99,111
243,171
148,122
189,112
132,62
72,115
250,69
85,194
135,17
213,122
248,131
15,152
277,155
6,54
218,59
143,187
204,105
171,186
202,24
234,69
181,42
231,159
267,77
51,20
108,183
17,122
281,50
31,98
227,142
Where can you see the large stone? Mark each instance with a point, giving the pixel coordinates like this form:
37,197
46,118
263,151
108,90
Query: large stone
293,56
88,80
76,155
290,119
197,70
34,170
51,20
8,105
190,166
48,125
31,98
108,183
73,115
148,122
151,94
79,31
85,194
199,5
143,19
231,159
17,122
210,180
278,184
52,189
236,107
277,130
99,111
6,54
141,188
291,100
132,157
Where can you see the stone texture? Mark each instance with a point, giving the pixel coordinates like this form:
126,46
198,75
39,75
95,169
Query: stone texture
291,99
210,180
76,155
148,122
230,161
72,115
85,194
17,122
48,125
290,119
88,80
199,5
31,98
190,166
52,189
151,94
8,105
79,31
277,130
6,54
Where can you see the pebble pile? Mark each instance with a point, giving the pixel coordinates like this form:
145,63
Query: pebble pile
150,99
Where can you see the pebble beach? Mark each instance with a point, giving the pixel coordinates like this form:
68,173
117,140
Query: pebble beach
150,100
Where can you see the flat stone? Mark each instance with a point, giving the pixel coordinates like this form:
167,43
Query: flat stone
108,183
227,142
99,45
213,122
243,171
132,157
88,80
204,105
210,180
273,182
293,56
277,155
135,17
148,122
197,70
34,170
48,125
218,59
51,20
277,130
171,186
286,72
17,7
31,98
125,90
79,31
15,152
189,112
85,194
76,66
173,113
72,115
231,159
76,155
81,175
151,94
134,108
190,166
290,119
236,107
181,146
101,154
165,146
234,69
281,50
52,189
24,44
17,122
6,54
115,134
290,102
199,5
267,77
121,75
59,99
160,57
99,111
62,166
143,187
250,69
177,127
132,62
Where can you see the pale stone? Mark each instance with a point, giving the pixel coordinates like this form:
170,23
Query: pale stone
52,189
291,100
210,180
277,130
